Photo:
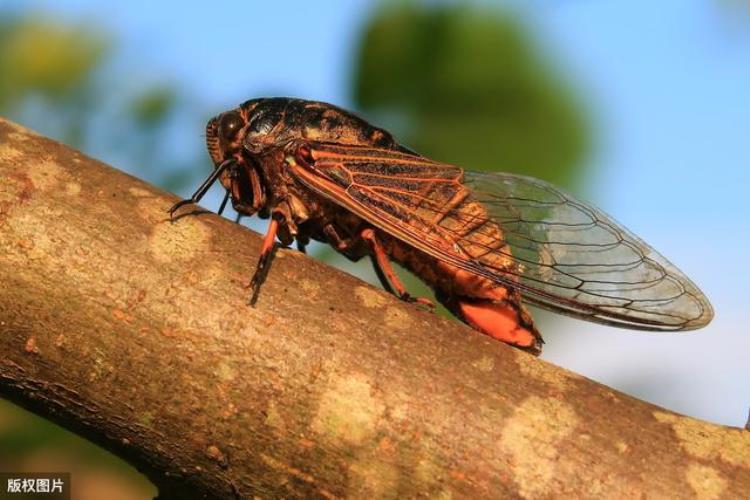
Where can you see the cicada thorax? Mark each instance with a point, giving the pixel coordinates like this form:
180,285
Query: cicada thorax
277,121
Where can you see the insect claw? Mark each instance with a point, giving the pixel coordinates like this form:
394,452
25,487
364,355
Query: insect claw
422,301
253,297
258,278
254,287
266,254
261,272
203,188
426,303
177,206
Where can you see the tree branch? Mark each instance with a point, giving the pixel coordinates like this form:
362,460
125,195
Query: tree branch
134,333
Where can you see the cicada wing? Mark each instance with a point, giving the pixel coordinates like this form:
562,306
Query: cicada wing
575,259
562,254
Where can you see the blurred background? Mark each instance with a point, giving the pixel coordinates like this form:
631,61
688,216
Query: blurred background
639,107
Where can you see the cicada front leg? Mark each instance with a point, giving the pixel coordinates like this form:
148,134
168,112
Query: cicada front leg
302,241
386,273
203,188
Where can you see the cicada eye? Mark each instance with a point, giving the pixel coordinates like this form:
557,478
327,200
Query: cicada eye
231,123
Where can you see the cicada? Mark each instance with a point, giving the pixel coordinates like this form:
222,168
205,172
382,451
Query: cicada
488,244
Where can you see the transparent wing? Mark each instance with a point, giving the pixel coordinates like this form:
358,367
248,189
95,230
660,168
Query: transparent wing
575,259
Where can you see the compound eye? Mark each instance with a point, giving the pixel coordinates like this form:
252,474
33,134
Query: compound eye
230,125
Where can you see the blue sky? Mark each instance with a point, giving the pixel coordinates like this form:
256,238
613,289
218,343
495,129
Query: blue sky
667,87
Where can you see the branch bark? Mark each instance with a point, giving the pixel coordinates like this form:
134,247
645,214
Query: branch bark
134,333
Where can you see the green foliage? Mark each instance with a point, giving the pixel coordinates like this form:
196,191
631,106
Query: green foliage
57,79
40,56
153,106
47,66
467,86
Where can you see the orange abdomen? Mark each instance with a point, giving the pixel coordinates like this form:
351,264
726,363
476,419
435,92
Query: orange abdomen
485,305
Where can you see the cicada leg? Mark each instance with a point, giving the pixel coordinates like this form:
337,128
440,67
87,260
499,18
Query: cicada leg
347,246
335,239
203,188
388,277
264,261
303,239
246,203
224,203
